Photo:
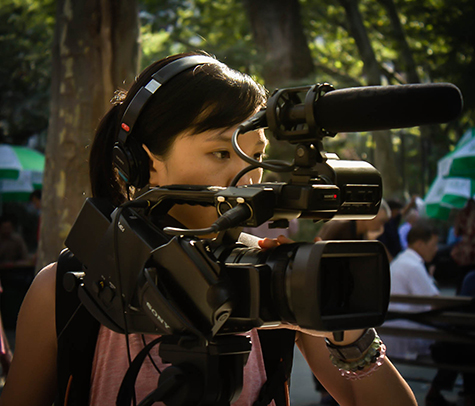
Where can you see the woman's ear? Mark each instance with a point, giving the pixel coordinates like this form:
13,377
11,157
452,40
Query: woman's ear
156,167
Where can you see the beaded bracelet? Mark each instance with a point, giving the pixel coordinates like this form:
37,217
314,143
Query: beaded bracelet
357,369
363,373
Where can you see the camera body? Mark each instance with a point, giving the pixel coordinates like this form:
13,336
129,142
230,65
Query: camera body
139,279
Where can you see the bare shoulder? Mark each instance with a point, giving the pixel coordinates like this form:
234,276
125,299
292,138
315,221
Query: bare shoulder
34,360
39,302
46,277
47,274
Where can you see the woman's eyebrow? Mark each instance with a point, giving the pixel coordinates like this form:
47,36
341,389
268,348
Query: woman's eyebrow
222,136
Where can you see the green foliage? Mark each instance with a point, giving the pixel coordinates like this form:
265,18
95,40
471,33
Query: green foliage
26,32
441,39
220,27
334,51
439,34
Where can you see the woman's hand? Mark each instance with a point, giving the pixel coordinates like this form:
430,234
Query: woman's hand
268,243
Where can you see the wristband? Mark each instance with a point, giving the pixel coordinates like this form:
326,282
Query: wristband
355,350
353,360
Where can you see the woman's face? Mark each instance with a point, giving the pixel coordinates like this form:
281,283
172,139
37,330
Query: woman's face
205,159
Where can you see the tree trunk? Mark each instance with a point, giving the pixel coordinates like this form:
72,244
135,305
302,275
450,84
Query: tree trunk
95,50
385,157
410,71
371,69
279,36
405,52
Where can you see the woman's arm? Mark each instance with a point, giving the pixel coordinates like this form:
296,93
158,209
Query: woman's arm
384,387
31,380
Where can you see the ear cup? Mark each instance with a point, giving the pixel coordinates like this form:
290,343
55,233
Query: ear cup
132,162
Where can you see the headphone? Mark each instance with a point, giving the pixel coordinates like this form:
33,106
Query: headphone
128,156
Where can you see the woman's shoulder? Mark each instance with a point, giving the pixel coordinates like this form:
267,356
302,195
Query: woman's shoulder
41,293
34,363
45,279
49,270
39,303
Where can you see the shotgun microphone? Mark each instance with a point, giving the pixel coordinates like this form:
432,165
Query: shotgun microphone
372,108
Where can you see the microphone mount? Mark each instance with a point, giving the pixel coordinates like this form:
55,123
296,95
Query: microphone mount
291,120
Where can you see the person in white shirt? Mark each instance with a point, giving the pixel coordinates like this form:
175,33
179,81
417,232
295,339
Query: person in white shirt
409,276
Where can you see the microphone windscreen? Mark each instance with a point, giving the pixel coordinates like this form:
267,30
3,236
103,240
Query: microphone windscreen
372,108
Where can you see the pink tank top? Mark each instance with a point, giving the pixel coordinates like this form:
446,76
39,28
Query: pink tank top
110,365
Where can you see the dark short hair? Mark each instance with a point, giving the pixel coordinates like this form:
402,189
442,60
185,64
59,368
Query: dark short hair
421,230
395,204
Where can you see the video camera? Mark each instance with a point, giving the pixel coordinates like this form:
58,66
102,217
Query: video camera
141,277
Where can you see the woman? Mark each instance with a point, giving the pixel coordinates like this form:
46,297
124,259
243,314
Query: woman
181,134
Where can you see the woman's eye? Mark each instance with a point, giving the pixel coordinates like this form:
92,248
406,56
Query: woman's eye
221,154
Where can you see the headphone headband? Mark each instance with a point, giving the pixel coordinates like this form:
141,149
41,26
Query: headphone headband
158,79
129,157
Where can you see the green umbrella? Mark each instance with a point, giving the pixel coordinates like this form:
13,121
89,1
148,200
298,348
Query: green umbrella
15,159
461,161
21,172
446,194
19,190
455,181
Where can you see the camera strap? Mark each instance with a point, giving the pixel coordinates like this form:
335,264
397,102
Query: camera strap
127,388
278,352
77,332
